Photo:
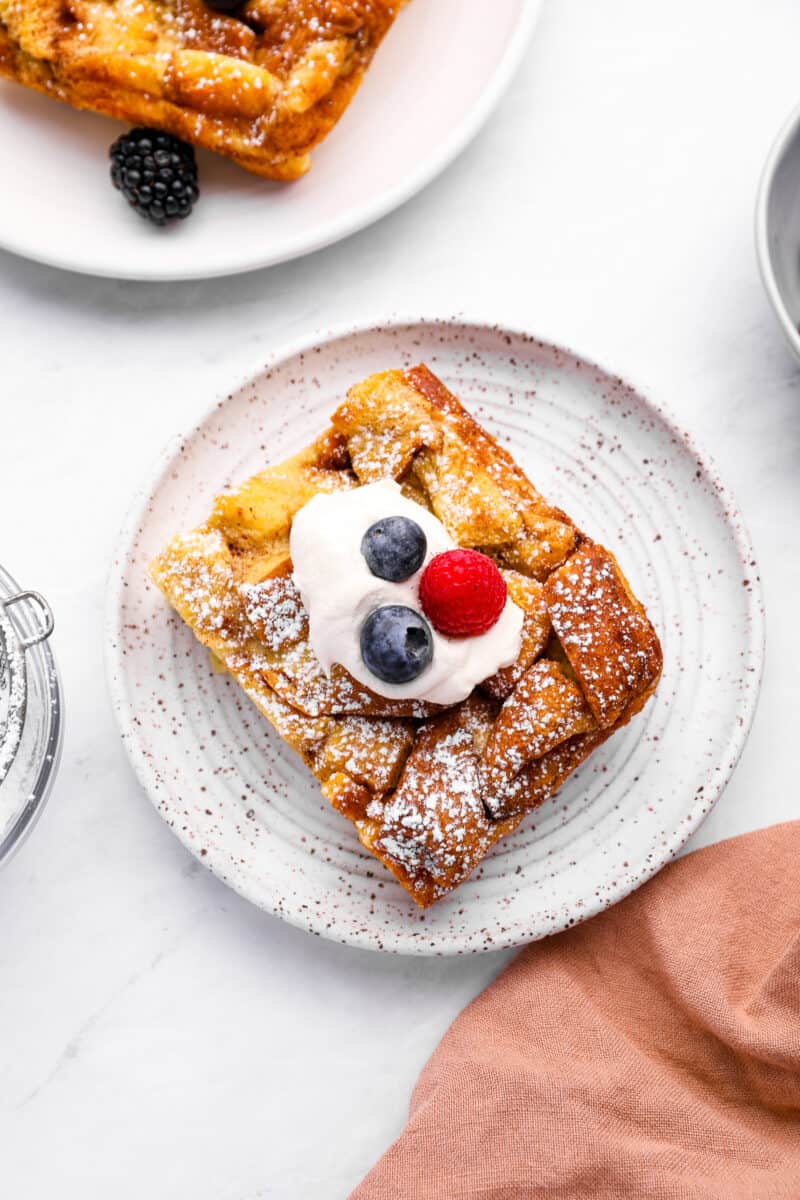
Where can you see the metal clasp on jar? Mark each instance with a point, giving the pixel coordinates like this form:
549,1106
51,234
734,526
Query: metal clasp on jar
46,624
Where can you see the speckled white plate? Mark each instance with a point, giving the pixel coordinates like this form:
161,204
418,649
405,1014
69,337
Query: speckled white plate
247,807
434,81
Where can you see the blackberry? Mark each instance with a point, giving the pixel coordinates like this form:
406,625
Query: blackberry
156,173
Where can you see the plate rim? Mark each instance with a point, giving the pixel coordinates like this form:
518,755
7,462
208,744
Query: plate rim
274,358
354,220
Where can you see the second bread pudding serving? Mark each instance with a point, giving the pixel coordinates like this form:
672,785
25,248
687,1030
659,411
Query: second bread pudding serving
261,81
439,643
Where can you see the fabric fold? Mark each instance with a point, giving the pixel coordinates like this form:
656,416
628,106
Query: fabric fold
652,1052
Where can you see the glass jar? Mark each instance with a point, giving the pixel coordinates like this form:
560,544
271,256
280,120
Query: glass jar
30,712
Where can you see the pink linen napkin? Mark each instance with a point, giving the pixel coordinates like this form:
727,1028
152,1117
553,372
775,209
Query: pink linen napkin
652,1052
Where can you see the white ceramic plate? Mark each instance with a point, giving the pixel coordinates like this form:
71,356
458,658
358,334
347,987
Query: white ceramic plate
434,81
244,803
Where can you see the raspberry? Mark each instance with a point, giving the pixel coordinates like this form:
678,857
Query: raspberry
462,593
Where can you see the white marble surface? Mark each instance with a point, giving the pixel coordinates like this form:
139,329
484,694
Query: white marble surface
160,1037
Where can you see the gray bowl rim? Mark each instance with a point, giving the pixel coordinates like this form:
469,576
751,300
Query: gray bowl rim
789,129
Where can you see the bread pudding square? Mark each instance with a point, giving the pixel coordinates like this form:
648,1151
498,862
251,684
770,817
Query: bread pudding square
429,787
262,82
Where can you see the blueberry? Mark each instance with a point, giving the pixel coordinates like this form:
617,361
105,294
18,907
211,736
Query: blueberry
394,548
396,643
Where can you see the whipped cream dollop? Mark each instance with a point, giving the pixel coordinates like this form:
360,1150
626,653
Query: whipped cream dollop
339,592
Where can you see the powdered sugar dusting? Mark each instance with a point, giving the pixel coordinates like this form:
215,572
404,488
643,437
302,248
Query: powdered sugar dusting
604,630
435,829
545,709
275,610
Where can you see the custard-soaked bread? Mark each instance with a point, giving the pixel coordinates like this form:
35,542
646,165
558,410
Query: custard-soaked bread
429,790
263,86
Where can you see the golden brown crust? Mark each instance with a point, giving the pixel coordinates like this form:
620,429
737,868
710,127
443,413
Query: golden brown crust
263,87
545,709
527,594
428,792
604,630
433,830
542,535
